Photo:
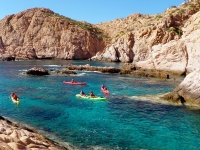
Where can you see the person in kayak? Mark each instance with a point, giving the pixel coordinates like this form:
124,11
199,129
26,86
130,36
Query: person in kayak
92,95
82,93
104,87
14,96
72,81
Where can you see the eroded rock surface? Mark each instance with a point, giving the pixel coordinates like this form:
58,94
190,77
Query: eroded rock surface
15,137
188,92
41,33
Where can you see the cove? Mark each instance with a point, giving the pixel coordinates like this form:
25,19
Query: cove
123,121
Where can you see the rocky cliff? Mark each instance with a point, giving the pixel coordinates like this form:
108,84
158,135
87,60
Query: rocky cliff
188,91
162,42
41,33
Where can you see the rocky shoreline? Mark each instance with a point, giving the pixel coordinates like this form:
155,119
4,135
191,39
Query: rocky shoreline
14,136
127,69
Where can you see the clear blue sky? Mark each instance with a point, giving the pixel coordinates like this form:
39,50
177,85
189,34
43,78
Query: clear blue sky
92,11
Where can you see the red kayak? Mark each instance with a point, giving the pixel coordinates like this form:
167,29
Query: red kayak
75,83
105,91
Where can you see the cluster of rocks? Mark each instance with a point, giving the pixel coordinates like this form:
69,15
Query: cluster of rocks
16,137
70,69
127,69
87,67
37,71
62,72
41,71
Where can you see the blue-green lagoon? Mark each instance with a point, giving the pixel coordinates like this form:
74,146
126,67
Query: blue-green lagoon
122,122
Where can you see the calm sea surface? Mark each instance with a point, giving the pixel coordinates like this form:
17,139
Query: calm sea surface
122,122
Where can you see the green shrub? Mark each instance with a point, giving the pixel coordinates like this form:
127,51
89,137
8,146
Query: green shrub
181,11
158,16
178,31
120,33
173,7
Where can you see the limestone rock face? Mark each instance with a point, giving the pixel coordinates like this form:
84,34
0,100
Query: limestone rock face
41,33
120,51
191,38
188,92
164,42
178,56
171,57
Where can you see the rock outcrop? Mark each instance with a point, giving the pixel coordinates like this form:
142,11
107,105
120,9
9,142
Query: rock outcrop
16,137
178,56
165,42
188,92
37,71
87,67
62,72
41,33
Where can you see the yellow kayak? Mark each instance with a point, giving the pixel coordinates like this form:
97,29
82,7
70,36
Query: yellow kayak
16,101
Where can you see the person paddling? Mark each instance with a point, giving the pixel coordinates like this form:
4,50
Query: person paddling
14,96
82,93
104,87
92,95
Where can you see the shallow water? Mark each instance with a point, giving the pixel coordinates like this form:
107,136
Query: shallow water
122,122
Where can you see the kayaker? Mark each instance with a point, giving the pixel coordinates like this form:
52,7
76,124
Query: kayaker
82,93
104,87
14,96
92,95
72,81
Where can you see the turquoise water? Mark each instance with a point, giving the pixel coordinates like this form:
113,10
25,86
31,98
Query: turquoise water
122,122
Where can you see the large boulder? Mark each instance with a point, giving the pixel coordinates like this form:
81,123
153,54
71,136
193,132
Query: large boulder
188,92
37,71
